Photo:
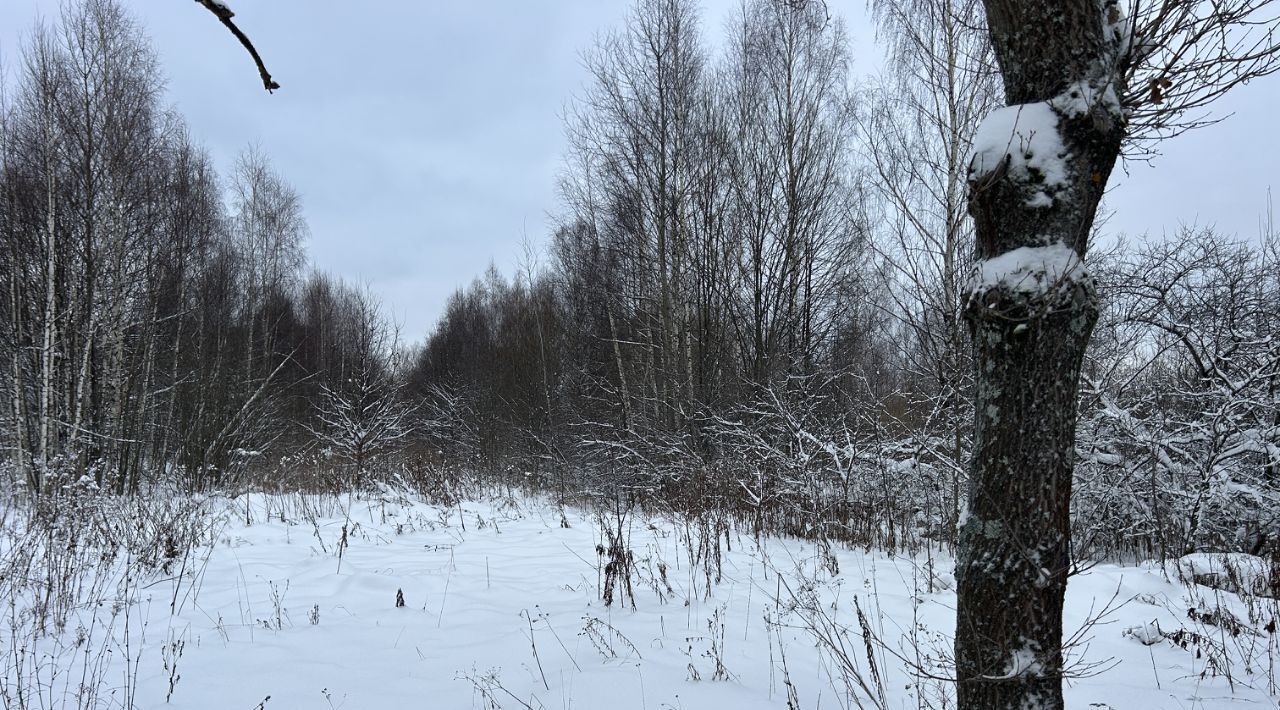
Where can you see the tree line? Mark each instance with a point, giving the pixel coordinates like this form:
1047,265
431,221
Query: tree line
158,320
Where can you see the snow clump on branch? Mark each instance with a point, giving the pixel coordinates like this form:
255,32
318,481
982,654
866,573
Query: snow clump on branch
1023,141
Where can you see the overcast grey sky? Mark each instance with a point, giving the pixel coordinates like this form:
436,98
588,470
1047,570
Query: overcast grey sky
425,137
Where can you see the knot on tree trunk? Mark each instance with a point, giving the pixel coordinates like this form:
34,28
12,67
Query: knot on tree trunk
1020,288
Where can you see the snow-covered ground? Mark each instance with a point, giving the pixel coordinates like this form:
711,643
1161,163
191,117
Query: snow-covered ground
502,608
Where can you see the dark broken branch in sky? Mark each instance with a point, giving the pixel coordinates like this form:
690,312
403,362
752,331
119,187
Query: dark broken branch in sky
225,14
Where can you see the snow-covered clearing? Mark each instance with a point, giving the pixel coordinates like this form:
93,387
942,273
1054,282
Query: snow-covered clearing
502,608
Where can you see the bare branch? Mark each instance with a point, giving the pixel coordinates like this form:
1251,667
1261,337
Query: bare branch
1185,54
224,13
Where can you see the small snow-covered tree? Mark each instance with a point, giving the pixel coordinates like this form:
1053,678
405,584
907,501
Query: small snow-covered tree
362,419
361,412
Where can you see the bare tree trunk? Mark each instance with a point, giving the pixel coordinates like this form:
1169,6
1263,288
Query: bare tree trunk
50,316
20,431
83,383
624,395
1039,170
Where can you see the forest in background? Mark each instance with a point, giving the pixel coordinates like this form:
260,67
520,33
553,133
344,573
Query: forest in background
749,308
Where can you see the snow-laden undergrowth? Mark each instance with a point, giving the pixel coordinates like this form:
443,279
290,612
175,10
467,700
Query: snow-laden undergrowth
392,602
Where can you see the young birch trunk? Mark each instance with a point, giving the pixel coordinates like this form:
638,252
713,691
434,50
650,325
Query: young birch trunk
21,432
624,395
50,325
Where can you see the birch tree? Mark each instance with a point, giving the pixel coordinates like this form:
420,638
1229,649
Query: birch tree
915,134
637,126
787,106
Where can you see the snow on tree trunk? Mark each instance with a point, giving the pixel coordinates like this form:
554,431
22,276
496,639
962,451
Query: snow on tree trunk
1038,172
